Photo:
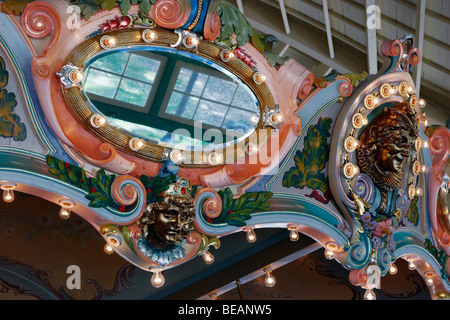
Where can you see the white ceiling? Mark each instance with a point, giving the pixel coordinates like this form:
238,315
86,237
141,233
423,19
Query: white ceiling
301,27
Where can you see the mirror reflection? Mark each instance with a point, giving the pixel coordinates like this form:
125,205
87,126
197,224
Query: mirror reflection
171,98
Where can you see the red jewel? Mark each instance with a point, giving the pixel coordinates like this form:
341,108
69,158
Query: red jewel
183,191
148,191
92,189
122,208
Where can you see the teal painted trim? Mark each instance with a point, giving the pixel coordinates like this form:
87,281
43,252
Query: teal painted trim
22,152
410,242
284,209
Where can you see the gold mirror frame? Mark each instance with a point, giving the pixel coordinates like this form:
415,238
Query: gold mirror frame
78,105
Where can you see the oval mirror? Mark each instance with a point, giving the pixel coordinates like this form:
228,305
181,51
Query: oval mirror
171,98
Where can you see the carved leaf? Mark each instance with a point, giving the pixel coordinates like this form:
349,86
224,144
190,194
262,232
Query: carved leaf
310,161
10,125
233,22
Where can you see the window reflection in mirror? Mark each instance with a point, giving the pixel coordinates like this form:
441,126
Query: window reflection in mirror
170,99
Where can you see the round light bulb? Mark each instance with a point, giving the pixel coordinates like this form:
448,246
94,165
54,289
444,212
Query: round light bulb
422,103
254,118
270,280
411,265
429,281
329,254
208,257
369,295
64,213
8,195
251,235
276,118
393,269
108,248
157,279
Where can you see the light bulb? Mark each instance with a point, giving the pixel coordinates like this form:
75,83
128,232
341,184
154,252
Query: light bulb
157,279
215,158
136,143
64,213
425,144
8,195
108,248
254,118
8,191
293,234
411,265
251,148
276,118
107,42
259,78
251,235
329,254
270,280
149,35
393,269
369,295
213,296
422,103
208,257
429,281
97,120
176,156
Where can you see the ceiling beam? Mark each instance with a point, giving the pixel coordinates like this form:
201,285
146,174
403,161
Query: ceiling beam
284,16
373,17
328,28
420,31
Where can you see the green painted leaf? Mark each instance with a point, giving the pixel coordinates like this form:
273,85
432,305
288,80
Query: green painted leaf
413,213
10,125
124,6
236,221
145,6
233,21
107,4
309,162
99,202
54,171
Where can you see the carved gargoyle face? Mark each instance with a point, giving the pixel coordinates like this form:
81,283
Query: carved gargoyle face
168,222
386,145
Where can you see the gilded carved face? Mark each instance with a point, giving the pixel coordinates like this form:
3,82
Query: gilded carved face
168,222
386,145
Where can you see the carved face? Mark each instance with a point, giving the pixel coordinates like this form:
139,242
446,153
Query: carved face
168,222
386,145
169,225
394,151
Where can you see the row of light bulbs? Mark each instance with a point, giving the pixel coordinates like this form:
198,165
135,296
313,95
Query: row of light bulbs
158,279
177,156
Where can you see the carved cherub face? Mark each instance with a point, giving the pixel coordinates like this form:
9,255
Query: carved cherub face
168,222
386,145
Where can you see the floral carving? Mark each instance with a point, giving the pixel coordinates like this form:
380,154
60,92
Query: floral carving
310,162
10,125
